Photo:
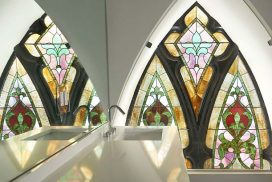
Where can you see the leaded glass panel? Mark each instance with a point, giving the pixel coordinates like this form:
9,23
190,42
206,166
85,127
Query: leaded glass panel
235,134
21,105
156,103
196,46
214,95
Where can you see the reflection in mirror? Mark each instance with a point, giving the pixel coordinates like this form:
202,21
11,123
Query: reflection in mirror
78,173
21,153
44,83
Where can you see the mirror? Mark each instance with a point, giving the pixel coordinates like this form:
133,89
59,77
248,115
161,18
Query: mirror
32,91
83,23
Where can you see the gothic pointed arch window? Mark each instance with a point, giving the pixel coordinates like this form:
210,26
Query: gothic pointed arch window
220,105
44,84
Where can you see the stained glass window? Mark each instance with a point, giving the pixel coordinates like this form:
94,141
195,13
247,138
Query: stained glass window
21,108
219,102
44,84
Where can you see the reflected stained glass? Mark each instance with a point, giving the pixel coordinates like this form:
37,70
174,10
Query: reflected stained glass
58,57
21,106
22,153
58,71
90,99
237,141
77,173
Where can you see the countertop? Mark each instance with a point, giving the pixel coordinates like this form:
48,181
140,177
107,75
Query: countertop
95,158
18,155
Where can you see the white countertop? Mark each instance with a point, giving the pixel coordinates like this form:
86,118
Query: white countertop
95,158
18,155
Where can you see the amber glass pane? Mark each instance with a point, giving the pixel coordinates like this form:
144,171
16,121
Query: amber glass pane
51,84
81,117
188,164
196,94
170,46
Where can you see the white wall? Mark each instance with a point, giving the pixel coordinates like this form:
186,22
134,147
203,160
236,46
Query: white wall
16,16
264,8
237,20
129,24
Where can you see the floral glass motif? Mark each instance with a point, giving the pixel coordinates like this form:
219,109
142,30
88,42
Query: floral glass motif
157,112
156,107
238,139
54,49
239,135
196,46
21,107
56,54
156,103
90,99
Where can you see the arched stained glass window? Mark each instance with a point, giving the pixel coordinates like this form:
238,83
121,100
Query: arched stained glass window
221,105
21,108
156,103
44,84
237,130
